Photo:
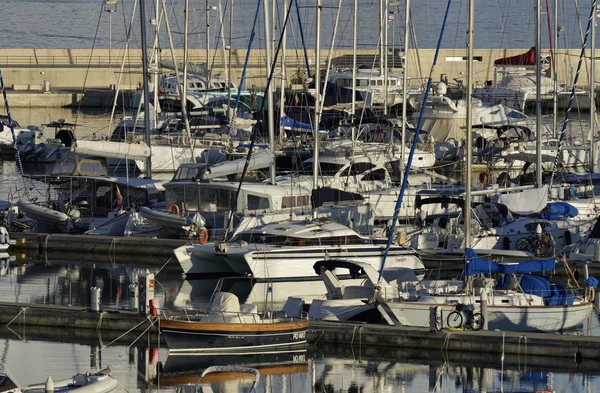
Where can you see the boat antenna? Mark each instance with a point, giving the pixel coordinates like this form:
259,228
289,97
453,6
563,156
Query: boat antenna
262,105
414,144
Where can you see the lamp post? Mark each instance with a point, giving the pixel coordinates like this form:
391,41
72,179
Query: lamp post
110,6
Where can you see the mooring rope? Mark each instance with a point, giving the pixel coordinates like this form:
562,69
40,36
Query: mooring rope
22,311
118,338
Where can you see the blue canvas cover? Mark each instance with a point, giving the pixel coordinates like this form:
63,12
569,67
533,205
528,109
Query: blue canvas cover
287,121
478,265
558,211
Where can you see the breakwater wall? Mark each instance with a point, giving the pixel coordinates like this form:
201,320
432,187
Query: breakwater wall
73,72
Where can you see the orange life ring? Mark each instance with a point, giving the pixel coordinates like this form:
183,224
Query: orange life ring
173,208
203,236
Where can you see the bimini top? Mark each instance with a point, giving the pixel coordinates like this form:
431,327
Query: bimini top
478,265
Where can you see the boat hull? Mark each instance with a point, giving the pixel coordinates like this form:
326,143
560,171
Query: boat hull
503,318
183,336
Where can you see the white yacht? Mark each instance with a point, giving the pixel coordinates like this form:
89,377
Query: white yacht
519,302
289,250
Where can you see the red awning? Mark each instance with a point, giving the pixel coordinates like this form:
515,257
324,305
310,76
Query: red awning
526,59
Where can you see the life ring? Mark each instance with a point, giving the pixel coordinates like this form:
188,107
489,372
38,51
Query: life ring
203,236
173,208
590,294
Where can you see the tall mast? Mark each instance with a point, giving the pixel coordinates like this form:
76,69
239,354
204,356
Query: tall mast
146,87
384,46
405,86
354,43
317,73
230,110
469,143
593,97
555,73
184,114
538,94
283,71
269,92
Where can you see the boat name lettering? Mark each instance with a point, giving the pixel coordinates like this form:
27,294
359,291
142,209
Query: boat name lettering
299,335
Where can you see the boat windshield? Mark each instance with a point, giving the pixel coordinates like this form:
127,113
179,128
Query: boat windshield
281,240
193,198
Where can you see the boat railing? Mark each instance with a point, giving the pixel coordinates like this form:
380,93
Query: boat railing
211,316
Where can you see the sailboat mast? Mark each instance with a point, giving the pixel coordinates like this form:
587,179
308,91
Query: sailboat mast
469,137
538,94
317,74
269,92
183,97
405,86
384,47
283,72
354,43
593,98
146,87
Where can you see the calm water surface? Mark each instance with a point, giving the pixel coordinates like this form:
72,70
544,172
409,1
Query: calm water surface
85,24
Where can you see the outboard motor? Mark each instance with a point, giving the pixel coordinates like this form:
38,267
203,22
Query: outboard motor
39,149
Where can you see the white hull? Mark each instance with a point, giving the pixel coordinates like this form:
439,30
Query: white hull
503,318
291,262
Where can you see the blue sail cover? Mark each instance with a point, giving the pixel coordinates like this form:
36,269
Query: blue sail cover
288,122
478,265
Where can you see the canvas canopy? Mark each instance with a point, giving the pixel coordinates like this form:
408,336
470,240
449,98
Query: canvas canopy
478,265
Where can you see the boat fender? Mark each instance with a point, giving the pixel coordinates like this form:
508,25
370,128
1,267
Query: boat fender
203,236
590,294
568,238
173,208
506,243
484,178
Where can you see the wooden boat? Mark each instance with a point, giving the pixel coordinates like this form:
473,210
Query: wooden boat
227,327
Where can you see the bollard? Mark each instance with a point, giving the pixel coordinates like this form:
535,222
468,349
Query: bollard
432,319
96,299
49,387
146,291
484,310
597,252
134,297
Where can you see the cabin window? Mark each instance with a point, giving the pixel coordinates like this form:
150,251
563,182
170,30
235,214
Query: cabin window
359,167
376,175
392,82
292,201
362,82
256,202
373,83
379,82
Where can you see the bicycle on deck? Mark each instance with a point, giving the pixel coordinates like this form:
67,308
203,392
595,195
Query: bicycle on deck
464,316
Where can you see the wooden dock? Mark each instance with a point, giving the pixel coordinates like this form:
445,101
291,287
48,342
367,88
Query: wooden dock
359,336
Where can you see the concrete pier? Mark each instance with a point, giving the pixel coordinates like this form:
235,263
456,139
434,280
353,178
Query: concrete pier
360,337
488,342
85,71
63,242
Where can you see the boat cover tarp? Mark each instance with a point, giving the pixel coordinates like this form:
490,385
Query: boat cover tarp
478,265
530,284
225,302
289,123
559,211
123,150
526,202
525,59
258,160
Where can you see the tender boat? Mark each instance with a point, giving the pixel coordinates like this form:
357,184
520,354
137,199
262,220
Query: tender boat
100,382
228,327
